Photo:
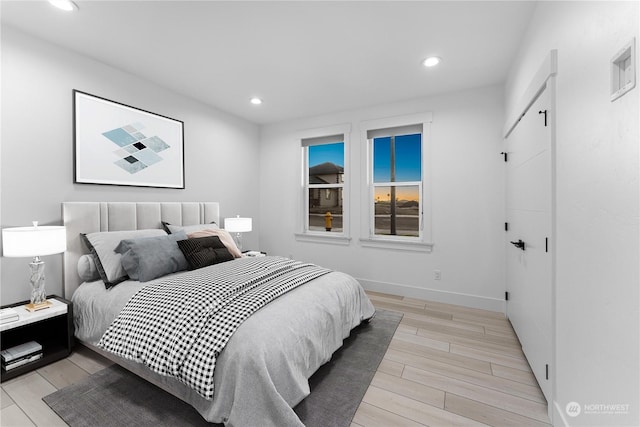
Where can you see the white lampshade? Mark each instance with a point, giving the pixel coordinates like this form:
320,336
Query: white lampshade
237,224
22,242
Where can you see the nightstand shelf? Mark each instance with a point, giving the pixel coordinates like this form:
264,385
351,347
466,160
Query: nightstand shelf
51,327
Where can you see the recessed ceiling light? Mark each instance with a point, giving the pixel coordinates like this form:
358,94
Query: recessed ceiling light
67,5
431,61
256,101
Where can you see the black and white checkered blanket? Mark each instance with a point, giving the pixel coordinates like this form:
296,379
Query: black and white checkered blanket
178,326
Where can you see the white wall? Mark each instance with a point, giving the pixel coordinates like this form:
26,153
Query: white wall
597,196
221,154
467,205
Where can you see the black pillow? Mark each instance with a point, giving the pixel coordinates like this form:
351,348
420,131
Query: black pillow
203,251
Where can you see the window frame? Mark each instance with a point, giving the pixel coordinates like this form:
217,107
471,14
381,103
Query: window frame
423,242
304,233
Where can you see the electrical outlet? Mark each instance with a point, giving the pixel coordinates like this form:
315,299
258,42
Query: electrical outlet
437,274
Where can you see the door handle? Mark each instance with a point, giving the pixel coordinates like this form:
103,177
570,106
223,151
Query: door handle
518,244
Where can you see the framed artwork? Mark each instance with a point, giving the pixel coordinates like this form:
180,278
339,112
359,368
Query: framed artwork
116,144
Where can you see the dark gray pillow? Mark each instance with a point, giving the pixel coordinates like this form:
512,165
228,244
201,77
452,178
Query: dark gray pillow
148,258
102,244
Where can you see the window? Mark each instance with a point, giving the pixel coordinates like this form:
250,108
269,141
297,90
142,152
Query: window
325,182
397,206
324,200
397,184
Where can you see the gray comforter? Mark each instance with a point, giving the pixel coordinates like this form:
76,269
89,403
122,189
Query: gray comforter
263,372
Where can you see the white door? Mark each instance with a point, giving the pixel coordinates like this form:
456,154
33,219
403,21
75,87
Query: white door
529,220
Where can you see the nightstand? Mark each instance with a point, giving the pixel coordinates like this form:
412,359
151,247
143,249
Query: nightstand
51,327
254,254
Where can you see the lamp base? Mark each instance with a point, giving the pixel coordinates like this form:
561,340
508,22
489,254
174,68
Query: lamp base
38,306
38,295
239,241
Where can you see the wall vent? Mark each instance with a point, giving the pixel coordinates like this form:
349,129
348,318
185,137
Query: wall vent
623,70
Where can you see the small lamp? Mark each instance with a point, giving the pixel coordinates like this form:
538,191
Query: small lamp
22,242
237,225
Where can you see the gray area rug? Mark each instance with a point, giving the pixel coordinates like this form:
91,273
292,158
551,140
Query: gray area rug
115,397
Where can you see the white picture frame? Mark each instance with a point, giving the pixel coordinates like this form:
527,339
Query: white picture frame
117,144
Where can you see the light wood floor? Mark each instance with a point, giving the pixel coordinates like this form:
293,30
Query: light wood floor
446,366
21,402
449,365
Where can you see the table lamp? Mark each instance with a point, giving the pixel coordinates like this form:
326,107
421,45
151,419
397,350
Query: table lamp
22,242
237,225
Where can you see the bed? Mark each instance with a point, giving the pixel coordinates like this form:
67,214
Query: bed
263,371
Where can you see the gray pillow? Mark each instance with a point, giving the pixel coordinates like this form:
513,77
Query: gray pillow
148,258
102,245
87,269
169,228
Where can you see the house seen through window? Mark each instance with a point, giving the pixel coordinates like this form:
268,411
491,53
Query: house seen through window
324,186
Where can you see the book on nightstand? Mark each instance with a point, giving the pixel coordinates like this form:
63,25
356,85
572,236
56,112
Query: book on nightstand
8,315
20,355
22,361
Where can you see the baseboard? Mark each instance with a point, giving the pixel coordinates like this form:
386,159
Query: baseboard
559,420
467,300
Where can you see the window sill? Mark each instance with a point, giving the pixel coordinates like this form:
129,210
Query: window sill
397,245
323,238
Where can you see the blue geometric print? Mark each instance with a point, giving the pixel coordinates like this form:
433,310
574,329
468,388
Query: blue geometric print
147,156
137,152
120,137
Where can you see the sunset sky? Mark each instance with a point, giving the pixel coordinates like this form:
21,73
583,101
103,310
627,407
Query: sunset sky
402,193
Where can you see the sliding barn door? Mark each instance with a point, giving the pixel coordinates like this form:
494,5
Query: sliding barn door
529,227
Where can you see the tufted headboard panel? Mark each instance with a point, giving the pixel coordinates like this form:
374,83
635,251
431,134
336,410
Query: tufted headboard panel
91,217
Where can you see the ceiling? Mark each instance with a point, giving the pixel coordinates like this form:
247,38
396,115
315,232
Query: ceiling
303,58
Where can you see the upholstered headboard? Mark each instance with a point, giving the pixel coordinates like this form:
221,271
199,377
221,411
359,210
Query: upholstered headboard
90,217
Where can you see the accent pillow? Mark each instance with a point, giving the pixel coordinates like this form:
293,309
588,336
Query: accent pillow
148,258
224,236
87,269
204,251
102,245
170,229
